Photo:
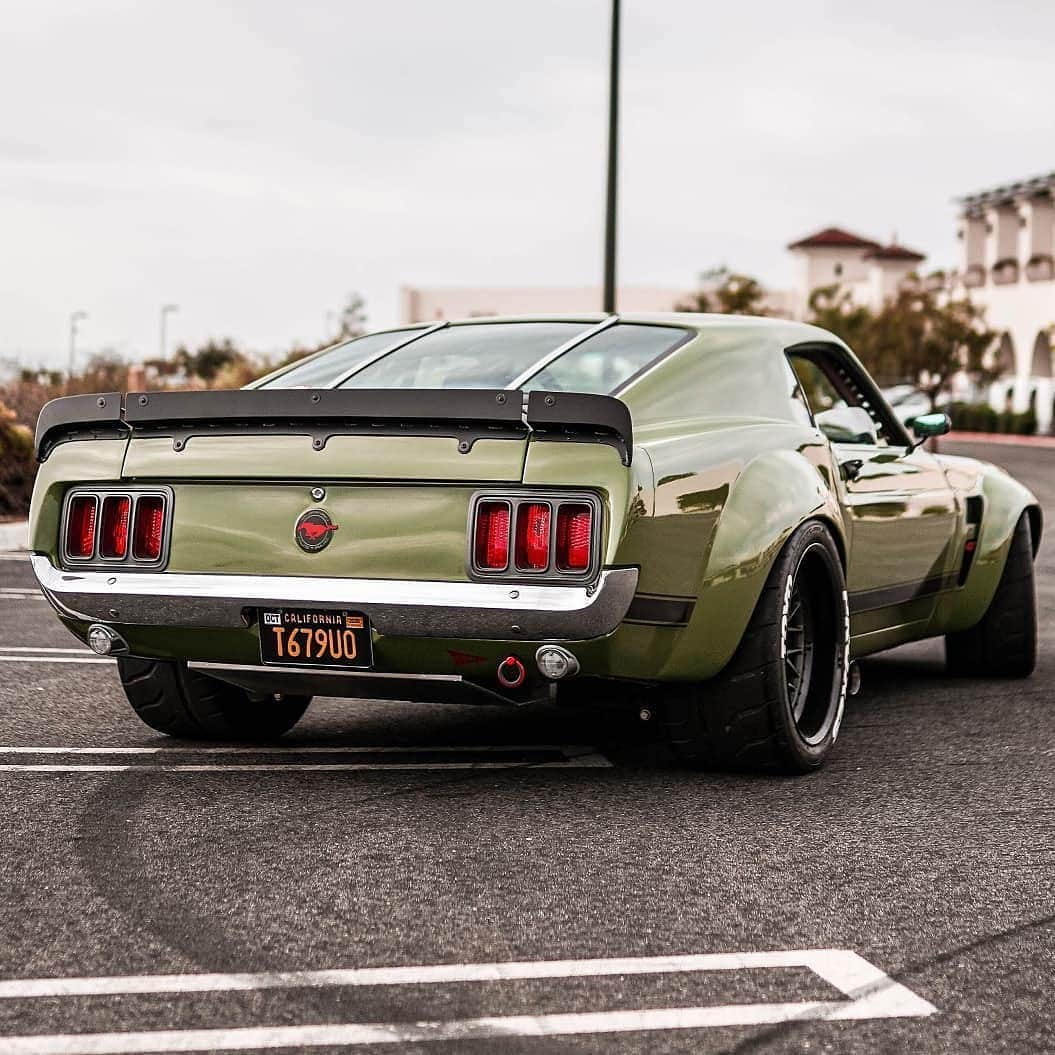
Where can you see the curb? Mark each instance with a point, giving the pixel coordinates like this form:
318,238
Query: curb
14,536
1000,439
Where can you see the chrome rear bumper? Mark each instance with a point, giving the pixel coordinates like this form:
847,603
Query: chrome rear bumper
396,608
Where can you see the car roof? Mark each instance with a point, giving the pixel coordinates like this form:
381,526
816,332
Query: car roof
777,332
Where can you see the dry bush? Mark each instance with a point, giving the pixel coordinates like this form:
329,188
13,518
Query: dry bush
18,467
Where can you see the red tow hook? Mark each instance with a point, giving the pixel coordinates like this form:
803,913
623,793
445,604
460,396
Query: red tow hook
511,673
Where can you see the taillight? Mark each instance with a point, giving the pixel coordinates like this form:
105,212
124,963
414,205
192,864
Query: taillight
113,534
149,528
491,545
80,526
574,534
532,536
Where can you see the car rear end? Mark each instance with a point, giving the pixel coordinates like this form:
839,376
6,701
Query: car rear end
412,545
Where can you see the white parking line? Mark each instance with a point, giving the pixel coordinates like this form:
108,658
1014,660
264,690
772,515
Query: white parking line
568,750
31,649
870,994
55,659
592,762
574,757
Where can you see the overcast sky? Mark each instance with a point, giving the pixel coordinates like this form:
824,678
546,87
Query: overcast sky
254,162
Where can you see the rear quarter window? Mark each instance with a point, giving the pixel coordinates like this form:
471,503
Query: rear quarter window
322,370
605,362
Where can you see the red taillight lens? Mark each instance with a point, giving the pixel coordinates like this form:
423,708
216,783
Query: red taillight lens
80,526
574,532
113,537
149,528
491,546
532,541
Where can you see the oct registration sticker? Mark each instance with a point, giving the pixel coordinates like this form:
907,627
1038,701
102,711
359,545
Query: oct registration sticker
307,637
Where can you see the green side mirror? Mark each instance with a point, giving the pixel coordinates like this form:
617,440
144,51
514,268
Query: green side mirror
927,425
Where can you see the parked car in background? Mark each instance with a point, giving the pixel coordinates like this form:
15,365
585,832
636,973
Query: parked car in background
712,515
907,402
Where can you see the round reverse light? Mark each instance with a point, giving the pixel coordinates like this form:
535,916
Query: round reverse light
101,640
555,662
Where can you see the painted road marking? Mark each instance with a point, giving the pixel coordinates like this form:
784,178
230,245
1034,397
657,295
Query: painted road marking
29,649
568,750
572,757
308,767
33,654
56,659
870,994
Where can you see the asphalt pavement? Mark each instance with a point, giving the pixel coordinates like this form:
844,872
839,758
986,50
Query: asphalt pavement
355,888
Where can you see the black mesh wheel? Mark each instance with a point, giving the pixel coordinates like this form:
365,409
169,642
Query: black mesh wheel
778,704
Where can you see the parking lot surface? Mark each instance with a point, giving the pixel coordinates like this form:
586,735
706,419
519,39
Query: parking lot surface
415,877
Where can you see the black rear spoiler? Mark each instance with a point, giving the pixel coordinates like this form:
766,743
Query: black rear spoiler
466,414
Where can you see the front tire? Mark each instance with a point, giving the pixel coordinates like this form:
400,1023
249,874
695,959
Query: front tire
1004,643
180,702
778,704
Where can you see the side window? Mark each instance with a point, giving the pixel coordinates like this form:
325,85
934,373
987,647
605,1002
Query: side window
800,406
842,411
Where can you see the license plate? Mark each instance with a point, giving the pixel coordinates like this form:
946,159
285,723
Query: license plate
307,637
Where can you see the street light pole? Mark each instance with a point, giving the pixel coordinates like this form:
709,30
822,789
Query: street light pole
166,310
613,166
75,318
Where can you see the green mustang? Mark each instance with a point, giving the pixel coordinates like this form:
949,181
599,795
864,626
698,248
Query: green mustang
710,516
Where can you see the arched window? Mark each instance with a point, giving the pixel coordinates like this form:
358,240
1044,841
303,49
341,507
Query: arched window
1004,358
1041,356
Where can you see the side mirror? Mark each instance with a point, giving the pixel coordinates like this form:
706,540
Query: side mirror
926,426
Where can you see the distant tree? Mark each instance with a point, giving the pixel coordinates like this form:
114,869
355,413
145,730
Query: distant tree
915,338
727,293
209,360
834,309
352,320
104,371
931,340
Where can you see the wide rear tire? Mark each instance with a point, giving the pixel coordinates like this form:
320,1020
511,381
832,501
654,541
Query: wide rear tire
1004,643
778,704
180,702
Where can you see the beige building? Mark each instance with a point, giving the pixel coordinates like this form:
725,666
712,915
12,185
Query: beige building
1007,263
469,302
870,271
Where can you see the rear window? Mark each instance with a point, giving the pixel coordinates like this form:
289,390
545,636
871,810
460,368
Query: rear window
491,355
607,361
483,355
322,370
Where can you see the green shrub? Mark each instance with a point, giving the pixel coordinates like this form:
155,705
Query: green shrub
981,417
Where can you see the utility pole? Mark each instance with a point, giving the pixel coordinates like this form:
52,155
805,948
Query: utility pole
166,310
75,318
613,166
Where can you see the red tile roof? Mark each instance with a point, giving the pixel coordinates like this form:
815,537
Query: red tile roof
895,252
834,237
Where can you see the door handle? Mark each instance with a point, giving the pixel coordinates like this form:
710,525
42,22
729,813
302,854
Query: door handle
851,468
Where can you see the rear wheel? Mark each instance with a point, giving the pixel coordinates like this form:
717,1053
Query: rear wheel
180,702
779,702
1004,643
